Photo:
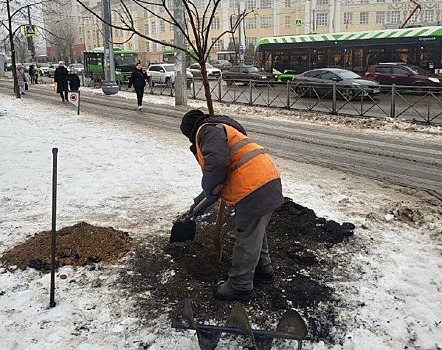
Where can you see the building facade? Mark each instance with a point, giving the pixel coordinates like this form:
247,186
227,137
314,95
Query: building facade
265,18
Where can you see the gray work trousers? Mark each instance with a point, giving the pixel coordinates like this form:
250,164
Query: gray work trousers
250,251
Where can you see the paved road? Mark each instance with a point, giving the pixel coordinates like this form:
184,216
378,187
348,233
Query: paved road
407,162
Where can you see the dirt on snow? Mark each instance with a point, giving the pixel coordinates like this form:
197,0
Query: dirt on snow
163,275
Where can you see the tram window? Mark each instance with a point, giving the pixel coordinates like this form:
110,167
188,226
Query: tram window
405,54
320,59
426,57
335,58
358,65
348,62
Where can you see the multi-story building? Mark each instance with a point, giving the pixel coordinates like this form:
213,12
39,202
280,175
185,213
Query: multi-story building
265,18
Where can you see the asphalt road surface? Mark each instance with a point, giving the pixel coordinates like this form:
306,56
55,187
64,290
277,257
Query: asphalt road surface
406,162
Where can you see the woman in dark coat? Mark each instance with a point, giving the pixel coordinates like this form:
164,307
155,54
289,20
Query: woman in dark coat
138,81
74,81
61,78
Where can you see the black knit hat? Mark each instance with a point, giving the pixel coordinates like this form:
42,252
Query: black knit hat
189,120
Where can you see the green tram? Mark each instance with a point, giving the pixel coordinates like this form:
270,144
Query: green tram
125,61
421,46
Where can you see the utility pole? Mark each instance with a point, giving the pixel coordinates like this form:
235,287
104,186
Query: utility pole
241,40
110,87
31,45
180,63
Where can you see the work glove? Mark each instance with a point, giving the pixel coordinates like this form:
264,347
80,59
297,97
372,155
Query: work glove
210,201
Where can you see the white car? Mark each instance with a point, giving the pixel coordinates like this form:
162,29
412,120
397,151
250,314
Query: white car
164,73
78,67
212,72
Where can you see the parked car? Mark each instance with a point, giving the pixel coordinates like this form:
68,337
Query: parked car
245,73
221,64
51,69
164,73
79,67
320,81
401,74
212,72
44,68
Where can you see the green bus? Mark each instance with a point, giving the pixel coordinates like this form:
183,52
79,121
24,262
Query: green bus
421,46
125,61
169,56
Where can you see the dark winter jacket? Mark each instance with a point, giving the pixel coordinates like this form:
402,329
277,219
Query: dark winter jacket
61,78
137,79
74,82
213,144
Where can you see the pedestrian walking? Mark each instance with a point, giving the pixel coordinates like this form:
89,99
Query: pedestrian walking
138,81
21,78
31,72
37,72
61,78
74,80
250,183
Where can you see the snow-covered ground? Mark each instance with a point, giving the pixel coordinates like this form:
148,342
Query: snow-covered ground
137,179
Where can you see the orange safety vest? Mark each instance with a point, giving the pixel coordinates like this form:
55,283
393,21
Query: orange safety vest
250,165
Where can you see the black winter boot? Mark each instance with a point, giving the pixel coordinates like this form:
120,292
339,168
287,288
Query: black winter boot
264,275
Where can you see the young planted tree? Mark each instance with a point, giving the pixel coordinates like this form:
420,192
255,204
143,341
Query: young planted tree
194,24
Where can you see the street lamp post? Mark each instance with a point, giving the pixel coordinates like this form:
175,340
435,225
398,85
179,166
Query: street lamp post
110,87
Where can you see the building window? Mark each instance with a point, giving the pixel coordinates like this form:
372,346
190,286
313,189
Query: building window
395,16
363,18
380,0
322,2
153,28
250,23
251,40
266,22
250,4
215,23
348,17
218,45
233,4
380,17
288,21
322,19
162,26
428,16
146,29
287,3
154,47
364,1
266,4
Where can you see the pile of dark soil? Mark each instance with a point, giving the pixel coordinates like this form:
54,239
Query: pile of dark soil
163,275
77,245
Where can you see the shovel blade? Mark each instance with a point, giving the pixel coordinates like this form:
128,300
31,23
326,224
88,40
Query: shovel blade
183,231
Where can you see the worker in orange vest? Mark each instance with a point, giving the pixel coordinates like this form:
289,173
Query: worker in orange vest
250,183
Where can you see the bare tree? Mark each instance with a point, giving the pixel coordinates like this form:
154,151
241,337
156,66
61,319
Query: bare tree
62,39
195,28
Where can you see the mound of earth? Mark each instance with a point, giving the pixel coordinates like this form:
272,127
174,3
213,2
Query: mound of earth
298,241
76,245
162,275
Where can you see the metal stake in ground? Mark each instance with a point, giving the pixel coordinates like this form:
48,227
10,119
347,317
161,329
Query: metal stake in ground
52,302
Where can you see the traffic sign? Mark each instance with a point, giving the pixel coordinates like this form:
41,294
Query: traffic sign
241,49
298,22
30,29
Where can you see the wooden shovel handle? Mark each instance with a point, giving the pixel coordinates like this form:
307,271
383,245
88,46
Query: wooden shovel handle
218,236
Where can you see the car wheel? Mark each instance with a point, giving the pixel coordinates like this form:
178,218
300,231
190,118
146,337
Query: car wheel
347,93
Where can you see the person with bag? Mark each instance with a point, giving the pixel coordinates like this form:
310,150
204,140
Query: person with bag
250,183
138,81
61,78
21,78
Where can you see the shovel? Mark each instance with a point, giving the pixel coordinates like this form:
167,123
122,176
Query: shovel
184,229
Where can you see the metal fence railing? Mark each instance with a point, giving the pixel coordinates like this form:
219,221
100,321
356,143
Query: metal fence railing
413,103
